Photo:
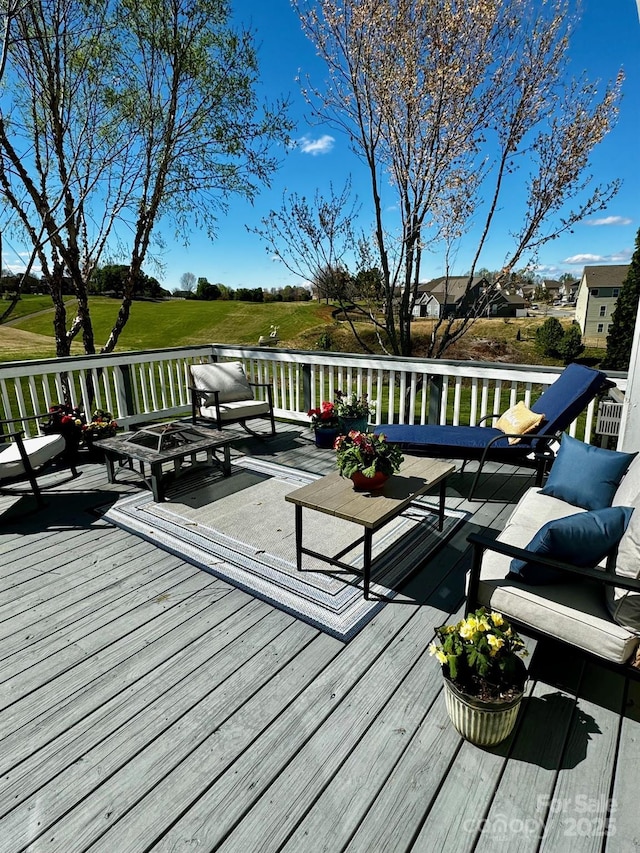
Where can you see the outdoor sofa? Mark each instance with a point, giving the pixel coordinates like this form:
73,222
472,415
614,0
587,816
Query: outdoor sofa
577,556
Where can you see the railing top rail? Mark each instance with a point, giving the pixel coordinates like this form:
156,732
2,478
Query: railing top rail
490,370
87,362
444,367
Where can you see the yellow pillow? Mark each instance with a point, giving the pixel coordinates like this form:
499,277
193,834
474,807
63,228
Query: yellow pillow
520,420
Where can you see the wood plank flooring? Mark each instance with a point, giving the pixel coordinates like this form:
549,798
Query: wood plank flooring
147,706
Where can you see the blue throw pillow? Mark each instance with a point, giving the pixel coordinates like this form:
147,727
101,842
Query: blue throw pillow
584,475
582,540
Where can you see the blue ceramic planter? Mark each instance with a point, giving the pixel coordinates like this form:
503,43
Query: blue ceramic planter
347,424
326,437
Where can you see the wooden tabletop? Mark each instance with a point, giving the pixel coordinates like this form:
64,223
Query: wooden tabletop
335,495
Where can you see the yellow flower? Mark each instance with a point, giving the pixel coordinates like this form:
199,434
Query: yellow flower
496,644
468,628
497,619
437,652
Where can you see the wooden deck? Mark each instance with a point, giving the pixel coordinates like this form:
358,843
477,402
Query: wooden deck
148,706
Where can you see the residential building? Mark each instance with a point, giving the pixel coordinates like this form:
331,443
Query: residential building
597,296
451,297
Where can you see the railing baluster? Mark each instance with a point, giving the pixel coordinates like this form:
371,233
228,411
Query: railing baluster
484,400
456,401
154,385
473,414
444,400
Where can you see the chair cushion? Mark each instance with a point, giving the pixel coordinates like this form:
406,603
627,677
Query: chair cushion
573,612
520,420
582,539
228,378
40,449
624,604
237,410
629,489
584,475
566,398
444,438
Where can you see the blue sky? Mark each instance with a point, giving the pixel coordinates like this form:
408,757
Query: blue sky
607,39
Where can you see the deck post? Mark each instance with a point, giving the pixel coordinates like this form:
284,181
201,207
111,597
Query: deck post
306,386
630,422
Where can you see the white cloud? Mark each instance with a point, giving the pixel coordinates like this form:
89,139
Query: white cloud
622,257
610,220
322,145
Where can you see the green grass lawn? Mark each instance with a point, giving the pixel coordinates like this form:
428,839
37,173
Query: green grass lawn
154,325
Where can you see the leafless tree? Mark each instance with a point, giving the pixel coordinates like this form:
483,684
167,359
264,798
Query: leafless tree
453,108
188,282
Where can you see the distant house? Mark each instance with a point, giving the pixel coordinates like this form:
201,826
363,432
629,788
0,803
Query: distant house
597,296
443,298
552,287
568,290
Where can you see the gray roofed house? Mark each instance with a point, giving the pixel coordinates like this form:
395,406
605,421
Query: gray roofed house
442,297
596,299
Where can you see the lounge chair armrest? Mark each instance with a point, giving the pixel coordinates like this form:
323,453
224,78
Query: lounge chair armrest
526,438
23,419
5,436
487,418
484,543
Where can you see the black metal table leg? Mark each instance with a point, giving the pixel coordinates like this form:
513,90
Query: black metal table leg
368,535
298,514
443,492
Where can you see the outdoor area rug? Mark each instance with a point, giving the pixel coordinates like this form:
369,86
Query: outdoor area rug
241,529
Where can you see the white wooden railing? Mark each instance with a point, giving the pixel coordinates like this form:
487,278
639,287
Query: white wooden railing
154,384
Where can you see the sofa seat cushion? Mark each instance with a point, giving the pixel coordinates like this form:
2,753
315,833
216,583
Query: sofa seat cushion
237,410
228,378
40,449
572,612
532,511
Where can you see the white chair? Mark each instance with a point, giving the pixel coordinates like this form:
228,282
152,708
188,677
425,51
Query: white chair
222,393
21,457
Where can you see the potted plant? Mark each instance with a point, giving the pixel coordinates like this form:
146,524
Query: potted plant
101,425
66,421
325,424
484,675
368,459
354,412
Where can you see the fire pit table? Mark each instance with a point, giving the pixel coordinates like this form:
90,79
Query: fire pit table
157,444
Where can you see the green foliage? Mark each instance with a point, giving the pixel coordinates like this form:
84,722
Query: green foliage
623,320
549,336
352,406
482,653
324,342
111,279
571,346
207,291
368,453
